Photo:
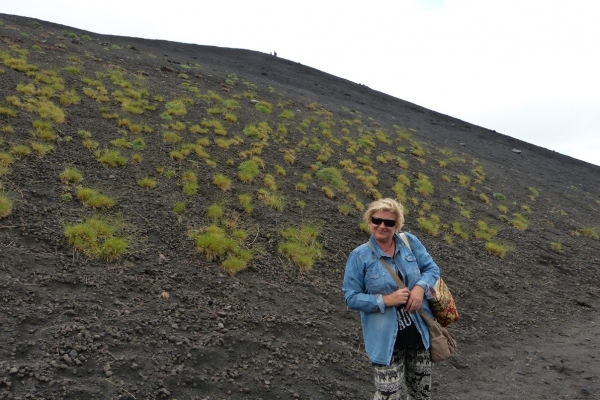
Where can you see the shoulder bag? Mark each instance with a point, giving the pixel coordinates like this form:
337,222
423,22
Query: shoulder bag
440,299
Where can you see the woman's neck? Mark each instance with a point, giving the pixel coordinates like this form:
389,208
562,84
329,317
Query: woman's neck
387,247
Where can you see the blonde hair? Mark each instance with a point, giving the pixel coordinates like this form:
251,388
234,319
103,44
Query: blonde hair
388,204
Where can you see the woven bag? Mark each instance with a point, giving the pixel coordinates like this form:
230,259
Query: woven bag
440,299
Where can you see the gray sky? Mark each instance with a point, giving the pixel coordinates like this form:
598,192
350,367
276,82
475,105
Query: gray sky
529,69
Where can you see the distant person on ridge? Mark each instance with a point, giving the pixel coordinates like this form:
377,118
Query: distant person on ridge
396,337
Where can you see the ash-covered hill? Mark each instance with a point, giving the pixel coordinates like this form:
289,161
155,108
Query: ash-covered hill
175,221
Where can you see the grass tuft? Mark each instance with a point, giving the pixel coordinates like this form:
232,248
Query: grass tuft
146,183
222,182
496,249
96,238
71,176
93,198
112,158
301,246
5,205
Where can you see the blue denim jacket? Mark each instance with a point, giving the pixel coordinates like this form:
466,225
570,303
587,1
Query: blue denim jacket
366,279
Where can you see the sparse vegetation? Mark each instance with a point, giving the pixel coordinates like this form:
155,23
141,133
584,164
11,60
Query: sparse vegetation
556,247
264,107
112,158
71,176
424,185
146,183
96,238
216,245
190,183
94,199
496,249
222,182
248,170
301,246
519,222
5,205
591,233
246,202
274,201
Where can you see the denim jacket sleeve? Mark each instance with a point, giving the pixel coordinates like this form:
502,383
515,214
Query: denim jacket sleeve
355,292
430,272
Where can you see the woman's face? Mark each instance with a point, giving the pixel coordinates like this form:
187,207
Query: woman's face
382,233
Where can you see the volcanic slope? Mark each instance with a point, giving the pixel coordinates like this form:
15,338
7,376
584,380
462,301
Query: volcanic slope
175,221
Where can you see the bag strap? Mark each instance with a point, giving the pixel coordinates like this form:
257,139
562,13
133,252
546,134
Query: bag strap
395,277
405,240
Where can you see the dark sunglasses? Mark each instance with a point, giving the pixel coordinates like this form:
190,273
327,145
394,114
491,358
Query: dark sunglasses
387,222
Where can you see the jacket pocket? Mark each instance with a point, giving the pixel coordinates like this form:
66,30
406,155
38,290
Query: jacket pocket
375,280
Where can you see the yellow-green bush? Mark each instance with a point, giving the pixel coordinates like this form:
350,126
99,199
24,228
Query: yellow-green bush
301,246
96,238
5,205
71,175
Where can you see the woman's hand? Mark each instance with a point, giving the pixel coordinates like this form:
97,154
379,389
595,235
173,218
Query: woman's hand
396,298
415,298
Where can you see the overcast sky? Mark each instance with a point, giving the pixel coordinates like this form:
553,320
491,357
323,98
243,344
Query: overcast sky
529,69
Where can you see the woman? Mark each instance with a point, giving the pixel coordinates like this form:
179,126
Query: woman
396,337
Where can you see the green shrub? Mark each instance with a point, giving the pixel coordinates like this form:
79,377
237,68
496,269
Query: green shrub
463,180
93,198
301,246
429,225
263,107
458,201
171,137
344,208
112,158
269,182
591,233
301,187
287,114
457,230
20,150
147,183
556,247
328,192
333,177
96,238
248,170
279,170
519,222
214,211
246,202
272,200
190,183
5,205
423,185
496,249
214,244
179,207
484,232
71,176
222,182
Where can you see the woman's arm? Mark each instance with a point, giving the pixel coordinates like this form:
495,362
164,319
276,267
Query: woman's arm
354,287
